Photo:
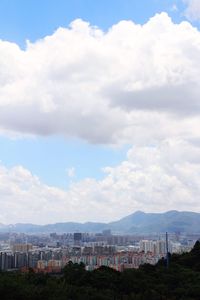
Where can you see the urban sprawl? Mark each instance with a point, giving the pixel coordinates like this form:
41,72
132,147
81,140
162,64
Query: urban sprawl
50,253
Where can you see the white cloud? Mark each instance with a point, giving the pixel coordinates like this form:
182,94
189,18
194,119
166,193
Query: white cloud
133,84
71,172
161,177
192,11
104,87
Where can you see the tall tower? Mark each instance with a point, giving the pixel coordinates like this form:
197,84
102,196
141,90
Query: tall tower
167,250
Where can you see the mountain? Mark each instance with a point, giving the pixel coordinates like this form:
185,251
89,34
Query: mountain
57,227
149,223
136,223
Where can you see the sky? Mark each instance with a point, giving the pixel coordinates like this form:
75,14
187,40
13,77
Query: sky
99,109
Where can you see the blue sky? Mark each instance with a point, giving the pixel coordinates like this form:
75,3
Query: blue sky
50,158
21,20
91,141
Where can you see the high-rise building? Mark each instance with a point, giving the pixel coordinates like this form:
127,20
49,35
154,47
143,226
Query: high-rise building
77,238
22,247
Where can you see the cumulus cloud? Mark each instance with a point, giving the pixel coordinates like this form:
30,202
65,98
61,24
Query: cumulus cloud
192,11
132,84
153,178
104,87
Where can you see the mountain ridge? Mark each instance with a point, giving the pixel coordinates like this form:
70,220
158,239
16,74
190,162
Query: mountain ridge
138,222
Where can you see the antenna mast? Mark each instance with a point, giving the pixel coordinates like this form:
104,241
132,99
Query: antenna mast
167,250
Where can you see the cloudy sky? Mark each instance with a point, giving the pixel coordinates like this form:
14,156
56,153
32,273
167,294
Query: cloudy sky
99,108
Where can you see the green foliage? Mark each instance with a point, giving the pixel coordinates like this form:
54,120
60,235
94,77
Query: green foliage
74,273
181,281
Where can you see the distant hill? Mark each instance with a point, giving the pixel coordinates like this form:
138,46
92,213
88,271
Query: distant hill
148,223
136,223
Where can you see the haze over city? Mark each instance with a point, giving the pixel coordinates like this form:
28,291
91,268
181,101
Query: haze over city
99,109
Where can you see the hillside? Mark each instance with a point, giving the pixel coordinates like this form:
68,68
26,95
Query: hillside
136,223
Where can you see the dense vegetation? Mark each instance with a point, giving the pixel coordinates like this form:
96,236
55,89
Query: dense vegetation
180,281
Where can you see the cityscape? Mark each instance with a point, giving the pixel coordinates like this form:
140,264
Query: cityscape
99,149
51,253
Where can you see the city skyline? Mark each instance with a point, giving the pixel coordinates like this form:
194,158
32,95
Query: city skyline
99,109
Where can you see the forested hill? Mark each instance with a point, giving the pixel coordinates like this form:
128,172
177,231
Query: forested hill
180,281
136,223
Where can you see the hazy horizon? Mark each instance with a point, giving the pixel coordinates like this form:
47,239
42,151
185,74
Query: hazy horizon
106,222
